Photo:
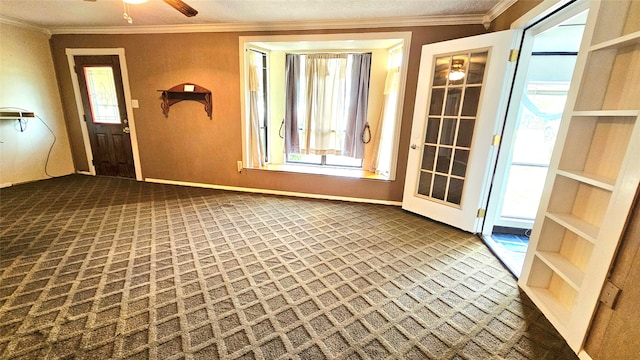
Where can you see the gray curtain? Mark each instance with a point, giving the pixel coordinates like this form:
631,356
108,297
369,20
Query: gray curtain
357,113
292,73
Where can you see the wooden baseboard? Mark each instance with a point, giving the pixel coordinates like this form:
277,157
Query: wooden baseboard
276,192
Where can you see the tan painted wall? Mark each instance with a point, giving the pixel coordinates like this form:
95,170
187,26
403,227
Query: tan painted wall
29,82
187,146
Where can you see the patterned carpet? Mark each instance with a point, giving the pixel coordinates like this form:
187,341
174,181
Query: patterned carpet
106,268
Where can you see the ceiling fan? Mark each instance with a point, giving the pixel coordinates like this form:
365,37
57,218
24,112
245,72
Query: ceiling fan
183,7
179,5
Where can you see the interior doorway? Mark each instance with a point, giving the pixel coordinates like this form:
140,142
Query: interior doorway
120,125
548,56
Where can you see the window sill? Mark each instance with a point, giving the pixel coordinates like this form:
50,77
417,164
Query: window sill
323,170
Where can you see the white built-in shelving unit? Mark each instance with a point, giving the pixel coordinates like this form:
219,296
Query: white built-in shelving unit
594,174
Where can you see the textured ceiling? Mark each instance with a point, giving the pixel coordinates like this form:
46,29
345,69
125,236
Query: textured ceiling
51,14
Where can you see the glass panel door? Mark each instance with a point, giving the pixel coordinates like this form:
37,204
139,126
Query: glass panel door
461,84
455,93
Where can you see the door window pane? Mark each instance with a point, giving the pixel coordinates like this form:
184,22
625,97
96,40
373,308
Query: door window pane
444,159
455,191
433,126
454,99
460,161
465,133
428,158
101,89
424,184
442,69
439,187
449,132
458,65
476,68
437,98
471,100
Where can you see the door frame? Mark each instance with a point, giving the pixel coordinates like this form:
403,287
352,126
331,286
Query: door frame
71,52
537,24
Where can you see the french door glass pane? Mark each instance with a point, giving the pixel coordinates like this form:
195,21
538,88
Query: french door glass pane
460,161
465,133
437,99
424,186
439,187
455,94
101,89
455,191
476,68
448,133
444,160
428,158
454,99
432,131
471,100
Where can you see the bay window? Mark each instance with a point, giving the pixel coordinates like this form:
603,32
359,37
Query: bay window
324,101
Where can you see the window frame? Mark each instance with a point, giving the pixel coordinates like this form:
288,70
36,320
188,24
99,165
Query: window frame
329,42
264,129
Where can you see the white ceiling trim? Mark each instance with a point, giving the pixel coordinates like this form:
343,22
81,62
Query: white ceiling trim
8,21
276,26
496,11
476,19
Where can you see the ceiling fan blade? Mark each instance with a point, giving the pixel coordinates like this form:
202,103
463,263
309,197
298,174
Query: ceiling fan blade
181,6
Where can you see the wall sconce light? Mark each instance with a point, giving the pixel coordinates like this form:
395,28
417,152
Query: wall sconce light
457,72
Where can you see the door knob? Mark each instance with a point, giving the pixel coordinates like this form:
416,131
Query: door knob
126,130
414,146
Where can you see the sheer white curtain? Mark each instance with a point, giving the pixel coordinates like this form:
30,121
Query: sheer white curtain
383,139
326,104
257,155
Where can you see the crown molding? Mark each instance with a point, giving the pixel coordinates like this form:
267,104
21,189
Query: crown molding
20,24
278,26
496,11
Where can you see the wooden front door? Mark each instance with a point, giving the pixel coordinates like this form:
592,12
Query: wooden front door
105,113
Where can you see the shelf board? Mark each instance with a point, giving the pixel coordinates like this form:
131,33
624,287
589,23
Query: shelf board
605,113
619,42
563,268
580,227
599,181
545,299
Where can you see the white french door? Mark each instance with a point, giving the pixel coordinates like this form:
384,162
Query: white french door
460,105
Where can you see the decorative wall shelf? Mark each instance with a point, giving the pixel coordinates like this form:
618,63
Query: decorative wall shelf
186,91
21,116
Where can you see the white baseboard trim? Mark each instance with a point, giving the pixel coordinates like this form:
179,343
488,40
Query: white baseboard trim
5,185
275,192
84,173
